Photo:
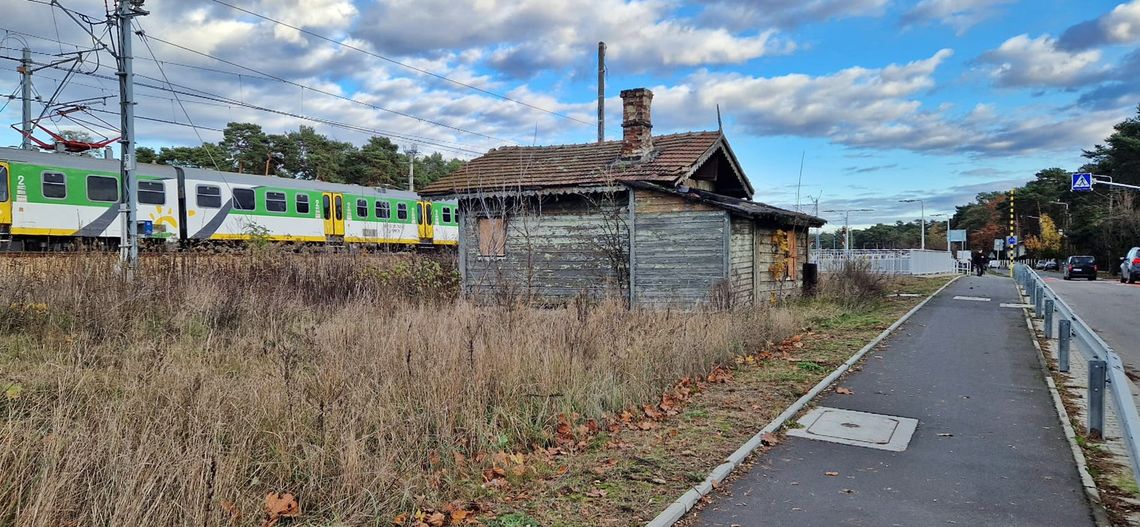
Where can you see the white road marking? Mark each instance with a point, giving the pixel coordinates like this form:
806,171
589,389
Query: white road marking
1018,306
972,298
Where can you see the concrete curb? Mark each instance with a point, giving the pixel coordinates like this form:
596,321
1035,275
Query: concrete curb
675,511
1100,516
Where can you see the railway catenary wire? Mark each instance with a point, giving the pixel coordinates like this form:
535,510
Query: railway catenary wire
402,64
409,137
331,94
317,90
435,142
235,103
229,102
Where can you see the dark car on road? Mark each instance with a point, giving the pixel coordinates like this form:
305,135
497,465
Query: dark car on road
1130,267
1079,267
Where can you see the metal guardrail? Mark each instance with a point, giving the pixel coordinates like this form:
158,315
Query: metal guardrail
1106,371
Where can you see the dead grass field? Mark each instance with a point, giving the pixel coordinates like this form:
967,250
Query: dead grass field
363,387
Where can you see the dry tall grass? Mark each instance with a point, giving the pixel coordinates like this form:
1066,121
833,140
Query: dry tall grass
338,379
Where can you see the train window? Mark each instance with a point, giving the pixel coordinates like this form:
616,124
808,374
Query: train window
102,188
338,207
402,211
427,212
209,197
446,214
275,201
3,183
302,203
326,206
54,185
383,209
243,199
361,208
152,193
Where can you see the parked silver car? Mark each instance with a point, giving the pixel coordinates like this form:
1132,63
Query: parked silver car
1130,266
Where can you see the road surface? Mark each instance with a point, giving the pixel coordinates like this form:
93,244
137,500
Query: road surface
1110,308
988,449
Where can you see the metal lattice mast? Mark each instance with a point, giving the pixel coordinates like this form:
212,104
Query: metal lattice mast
128,245
26,95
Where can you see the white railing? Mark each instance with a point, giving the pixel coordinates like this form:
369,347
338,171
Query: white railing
901,261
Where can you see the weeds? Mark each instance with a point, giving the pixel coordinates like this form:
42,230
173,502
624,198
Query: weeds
356,383
857,283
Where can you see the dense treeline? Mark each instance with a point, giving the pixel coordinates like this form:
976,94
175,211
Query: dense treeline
900,235
1053,221
304,154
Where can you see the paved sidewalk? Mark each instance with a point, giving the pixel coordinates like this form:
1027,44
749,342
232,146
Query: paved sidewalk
989,449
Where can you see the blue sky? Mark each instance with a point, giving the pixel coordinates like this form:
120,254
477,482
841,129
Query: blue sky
884,99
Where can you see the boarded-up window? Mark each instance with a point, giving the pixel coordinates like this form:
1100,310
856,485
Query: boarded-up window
793,255
492,237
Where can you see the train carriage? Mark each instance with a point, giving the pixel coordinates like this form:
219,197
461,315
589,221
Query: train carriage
50,200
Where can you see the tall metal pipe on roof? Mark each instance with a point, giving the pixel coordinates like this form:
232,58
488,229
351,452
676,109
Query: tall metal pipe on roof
601,91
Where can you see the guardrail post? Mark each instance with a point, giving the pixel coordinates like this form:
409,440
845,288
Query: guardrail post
1038,296
1049,318
1064,335
1098,370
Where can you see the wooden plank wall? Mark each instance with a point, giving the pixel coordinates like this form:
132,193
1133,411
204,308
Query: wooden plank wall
741,265
679,249
767,288
553,253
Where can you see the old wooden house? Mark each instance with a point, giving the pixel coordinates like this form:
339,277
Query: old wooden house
657,220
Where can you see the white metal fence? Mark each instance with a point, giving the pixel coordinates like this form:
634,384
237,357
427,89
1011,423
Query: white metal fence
903,261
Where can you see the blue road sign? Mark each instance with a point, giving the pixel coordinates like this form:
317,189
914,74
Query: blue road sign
1082,182
1011,241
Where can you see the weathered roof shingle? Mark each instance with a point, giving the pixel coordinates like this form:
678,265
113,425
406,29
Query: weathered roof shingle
528,167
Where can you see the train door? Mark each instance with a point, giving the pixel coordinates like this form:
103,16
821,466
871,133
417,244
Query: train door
426,223
5,200
332,210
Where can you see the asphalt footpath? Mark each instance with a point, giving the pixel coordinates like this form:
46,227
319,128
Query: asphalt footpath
988,448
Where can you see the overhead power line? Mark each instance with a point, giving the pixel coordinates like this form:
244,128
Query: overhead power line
329,93
209,152
230,103
402,64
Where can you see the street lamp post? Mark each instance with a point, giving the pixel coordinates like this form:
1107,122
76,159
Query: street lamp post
846,225
922,229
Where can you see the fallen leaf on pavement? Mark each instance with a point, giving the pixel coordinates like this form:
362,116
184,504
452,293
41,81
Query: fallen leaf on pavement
769,439
831,473
842,390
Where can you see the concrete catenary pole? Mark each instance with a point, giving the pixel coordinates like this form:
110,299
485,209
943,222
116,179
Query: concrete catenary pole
601,91
128,244
26,97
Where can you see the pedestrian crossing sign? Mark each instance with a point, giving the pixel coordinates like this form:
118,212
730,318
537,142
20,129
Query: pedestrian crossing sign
1082,182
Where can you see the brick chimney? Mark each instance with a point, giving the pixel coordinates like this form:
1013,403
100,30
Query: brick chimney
637,137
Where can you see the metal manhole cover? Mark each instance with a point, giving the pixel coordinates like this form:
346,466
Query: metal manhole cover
884,432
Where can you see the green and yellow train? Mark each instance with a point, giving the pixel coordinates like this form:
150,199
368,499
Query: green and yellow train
53,201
